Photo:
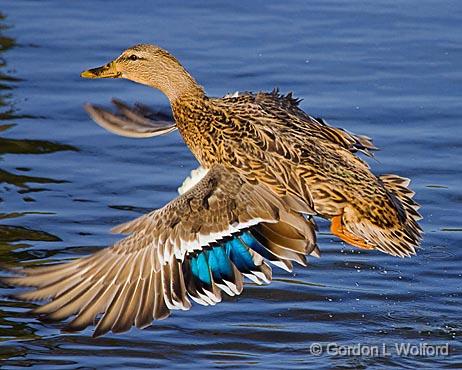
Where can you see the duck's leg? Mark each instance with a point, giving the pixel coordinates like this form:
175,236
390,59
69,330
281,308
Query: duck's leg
337,229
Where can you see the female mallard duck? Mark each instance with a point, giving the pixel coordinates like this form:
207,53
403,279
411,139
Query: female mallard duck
268,166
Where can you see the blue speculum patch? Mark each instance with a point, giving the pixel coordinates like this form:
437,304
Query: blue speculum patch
217,261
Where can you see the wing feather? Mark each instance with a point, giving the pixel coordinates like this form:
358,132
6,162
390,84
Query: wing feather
129,122
150,272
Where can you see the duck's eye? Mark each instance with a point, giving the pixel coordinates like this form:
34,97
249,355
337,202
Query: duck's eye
133,57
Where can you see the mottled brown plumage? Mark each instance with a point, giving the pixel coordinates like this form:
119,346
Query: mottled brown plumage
268,139
271,167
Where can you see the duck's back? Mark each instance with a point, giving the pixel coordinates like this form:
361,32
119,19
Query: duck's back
272,140
283,114
270,130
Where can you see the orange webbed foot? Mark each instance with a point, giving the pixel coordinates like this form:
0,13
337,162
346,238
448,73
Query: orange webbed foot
337,229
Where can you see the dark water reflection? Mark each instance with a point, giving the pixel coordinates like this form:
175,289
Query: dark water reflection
389,70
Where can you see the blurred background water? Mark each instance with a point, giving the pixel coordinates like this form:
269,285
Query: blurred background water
390,70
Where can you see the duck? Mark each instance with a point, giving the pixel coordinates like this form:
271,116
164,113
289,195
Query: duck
267,169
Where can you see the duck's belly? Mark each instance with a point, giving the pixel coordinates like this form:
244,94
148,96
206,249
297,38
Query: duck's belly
330,196
328,202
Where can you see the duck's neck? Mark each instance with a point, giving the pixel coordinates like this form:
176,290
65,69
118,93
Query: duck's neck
195,117
180,85
185,89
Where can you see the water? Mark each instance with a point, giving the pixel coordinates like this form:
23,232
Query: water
391,70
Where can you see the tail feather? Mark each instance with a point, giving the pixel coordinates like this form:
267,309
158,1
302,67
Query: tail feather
396,236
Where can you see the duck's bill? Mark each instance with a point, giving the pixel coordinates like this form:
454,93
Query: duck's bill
107,71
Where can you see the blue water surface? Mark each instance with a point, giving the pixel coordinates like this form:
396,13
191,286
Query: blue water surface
389,69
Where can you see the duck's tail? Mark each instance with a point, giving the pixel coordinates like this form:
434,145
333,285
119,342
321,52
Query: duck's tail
397,233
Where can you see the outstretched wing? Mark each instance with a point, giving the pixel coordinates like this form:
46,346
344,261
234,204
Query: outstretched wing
137,121
196,246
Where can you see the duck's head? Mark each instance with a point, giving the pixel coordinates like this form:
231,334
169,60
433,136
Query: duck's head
149,65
